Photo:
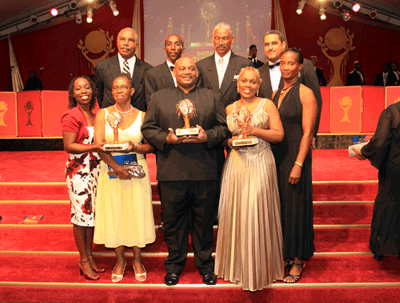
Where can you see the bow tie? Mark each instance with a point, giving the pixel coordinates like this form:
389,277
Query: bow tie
271,66
172,68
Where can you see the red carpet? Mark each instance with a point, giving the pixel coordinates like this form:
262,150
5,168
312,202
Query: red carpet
39,263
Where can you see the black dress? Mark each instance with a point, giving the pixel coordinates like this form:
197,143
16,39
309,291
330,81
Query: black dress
383,151
296,200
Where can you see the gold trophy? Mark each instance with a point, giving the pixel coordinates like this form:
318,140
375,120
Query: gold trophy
243,115
187,110
114,120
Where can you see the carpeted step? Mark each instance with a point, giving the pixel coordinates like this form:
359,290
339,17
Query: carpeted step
56,268
58,212
54,238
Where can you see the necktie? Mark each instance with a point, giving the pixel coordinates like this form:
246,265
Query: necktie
271,66
384,79
221,71
125,69
172,68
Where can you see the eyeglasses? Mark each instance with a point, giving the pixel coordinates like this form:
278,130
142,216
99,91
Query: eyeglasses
117,88
225,39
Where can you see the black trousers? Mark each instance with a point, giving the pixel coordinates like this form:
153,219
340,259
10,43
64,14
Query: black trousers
188,205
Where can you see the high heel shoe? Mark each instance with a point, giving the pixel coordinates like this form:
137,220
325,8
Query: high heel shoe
116,278
95,267
140,277
295,278
92,276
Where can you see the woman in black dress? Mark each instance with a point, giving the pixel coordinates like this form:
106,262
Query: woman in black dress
297,107
383,150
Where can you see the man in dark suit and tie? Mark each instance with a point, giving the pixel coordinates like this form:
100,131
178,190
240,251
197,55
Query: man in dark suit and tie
253,56
394,67
319,71
161,76
356,76
274,45
187,169
125,62
220,71
386,77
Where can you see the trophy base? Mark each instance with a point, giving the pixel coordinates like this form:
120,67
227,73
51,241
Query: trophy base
245,142
194,131
116,146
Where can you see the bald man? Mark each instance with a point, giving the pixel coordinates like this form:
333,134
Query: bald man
125,62
187,169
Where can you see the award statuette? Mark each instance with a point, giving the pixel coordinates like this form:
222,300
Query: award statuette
187,110
114,120
243,115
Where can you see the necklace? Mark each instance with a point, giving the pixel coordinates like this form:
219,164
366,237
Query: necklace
121,112
285,89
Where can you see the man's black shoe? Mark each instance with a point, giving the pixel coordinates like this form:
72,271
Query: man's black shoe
161,226
171,279
210,279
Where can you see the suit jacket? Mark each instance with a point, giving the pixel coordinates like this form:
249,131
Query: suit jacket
107,70
256,63
208,77
157,78
390,81
353,78
320,75
308,77
192,162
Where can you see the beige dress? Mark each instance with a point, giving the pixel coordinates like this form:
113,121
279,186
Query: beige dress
124,212
249,242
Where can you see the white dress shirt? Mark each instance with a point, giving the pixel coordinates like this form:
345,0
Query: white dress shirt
222,69
131,63
275,75
169,65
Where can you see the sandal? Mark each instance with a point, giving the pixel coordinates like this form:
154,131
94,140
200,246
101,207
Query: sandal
140,277
288,263
295,278
95,267
89,276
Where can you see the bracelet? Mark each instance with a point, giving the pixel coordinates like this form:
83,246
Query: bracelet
136,147
299,164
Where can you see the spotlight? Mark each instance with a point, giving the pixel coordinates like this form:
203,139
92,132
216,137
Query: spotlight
300,7
345,15
322,13
90,1
113,7
337,4
78,18
73,5
54,12
89,17
356,7
33,19
373,14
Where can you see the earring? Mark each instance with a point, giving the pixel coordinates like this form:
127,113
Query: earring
298,75
257,92
237,89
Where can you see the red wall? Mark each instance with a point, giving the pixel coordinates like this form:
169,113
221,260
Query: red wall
56,50
374,46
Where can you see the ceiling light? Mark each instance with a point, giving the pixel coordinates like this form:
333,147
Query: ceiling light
337,4
89,17
356,7
54,12
322,13
113,7
345,15
373,14
78,18
73,5
33,19
300,7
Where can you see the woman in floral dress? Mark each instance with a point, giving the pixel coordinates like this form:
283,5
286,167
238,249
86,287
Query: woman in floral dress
82,168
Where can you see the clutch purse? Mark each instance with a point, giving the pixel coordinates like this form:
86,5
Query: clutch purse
129,162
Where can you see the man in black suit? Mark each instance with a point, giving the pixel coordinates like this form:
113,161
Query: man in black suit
356,76
187,169
220,71
125,62
253,56
161,76
274,45
394,67
386,77
319,71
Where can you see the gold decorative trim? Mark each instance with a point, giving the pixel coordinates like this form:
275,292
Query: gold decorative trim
341,202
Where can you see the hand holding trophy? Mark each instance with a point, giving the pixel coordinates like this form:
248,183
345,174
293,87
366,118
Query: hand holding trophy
243,115
114,120
187,110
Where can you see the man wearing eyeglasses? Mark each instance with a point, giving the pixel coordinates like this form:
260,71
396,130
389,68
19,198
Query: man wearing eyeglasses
125,62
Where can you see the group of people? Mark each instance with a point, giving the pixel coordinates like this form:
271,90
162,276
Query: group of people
262,192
